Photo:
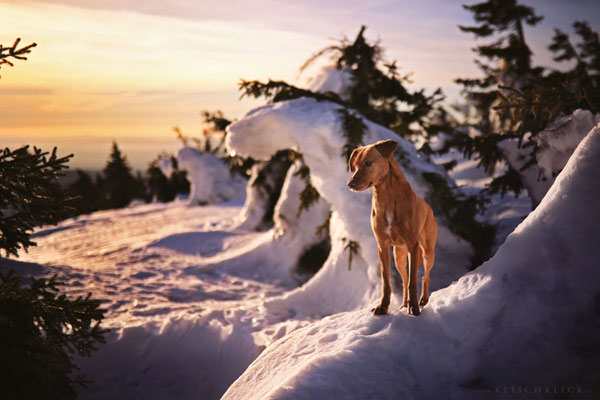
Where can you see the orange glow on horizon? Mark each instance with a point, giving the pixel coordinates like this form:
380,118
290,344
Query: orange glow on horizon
108,71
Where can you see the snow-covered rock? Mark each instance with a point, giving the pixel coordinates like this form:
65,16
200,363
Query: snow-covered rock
209,177
524,323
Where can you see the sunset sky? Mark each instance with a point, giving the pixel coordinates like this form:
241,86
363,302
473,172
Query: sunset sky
131,70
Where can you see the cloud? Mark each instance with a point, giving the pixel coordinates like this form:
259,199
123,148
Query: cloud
26,91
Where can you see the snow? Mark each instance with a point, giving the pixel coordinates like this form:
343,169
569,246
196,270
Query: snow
258,196
523,319
558,141
200,303
209,177
330,79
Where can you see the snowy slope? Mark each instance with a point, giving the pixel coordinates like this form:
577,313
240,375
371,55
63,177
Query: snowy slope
526,319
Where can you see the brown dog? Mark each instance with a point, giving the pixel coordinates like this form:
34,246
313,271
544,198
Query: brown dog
399,218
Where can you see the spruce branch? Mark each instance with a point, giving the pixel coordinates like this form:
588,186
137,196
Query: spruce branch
14,52
352,247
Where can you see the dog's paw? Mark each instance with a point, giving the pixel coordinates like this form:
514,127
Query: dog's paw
404,304
423,301
380,310
413,310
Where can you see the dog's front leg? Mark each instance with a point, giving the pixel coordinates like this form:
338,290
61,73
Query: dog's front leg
400,255
384,262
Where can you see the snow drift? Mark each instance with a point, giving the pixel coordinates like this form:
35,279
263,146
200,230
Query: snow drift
524,322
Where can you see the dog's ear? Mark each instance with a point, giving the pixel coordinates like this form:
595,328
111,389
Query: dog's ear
353,156
386,147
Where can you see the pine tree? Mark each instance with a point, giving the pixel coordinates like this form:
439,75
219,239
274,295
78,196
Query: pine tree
85,193
165,188
379,93
504,61
40,330
29,195
558,92
515,100
120,187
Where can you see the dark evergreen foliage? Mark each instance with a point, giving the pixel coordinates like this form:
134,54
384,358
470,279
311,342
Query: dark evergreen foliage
13,52
86,194
378,90
504,60
120,186
275,91
352,247
558,92
309,195
29,195
40,332
165,188
354,128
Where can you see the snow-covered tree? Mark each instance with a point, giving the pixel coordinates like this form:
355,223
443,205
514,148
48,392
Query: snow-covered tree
514,101
370,88
504,61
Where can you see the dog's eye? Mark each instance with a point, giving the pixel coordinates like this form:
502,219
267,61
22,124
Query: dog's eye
368,163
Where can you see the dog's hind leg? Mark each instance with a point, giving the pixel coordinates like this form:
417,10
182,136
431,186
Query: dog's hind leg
428,246
384,261
400,255
416,259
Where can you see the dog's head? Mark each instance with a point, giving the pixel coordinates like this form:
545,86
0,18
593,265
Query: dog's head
370,164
